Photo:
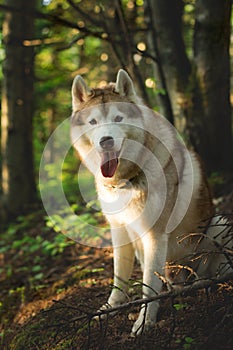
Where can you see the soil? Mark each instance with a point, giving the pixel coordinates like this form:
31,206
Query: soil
52,309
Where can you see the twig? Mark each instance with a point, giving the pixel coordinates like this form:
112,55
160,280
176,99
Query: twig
145,54
54,19
226,251
183,267
84,14
71,43
196,285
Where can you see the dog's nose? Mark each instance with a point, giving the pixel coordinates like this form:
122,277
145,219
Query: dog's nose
107,142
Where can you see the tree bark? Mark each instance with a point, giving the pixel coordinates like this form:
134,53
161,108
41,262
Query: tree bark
212,59
165,38
18,181
199,87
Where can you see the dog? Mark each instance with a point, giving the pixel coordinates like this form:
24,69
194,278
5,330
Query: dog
152,190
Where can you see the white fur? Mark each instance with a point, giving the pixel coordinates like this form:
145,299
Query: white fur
146,216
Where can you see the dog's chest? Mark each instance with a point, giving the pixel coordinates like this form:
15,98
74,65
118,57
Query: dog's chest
122,204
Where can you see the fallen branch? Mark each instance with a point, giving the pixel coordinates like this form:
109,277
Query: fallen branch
192,286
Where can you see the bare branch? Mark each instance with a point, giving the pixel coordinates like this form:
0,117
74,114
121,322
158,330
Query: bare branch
220,241
112,42
56,20
84,14
145,54
71,43
193,286
183,267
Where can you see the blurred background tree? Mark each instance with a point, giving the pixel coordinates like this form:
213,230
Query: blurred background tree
17,175
176,51
197,71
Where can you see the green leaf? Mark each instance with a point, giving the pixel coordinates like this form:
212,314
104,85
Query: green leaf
180,306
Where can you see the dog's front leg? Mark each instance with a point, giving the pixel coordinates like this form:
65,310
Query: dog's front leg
155,252
123,265
123,254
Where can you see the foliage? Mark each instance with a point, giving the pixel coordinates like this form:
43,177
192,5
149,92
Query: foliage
71,37
180,306
19,239
32,242
62,52
187,342
81,225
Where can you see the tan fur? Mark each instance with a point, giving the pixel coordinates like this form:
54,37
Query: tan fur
104,95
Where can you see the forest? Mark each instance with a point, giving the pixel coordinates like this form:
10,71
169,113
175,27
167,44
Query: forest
55,257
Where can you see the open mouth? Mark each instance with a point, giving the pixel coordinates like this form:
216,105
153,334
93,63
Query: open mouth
109,162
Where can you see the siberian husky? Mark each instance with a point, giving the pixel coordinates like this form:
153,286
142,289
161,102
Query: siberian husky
152,190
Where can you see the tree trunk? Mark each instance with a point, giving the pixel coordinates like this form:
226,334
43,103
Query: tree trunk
165,38
199,88
211,53
18,182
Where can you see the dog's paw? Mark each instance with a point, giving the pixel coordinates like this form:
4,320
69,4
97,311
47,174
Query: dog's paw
116,299
107,306
103,316
141,327
144,323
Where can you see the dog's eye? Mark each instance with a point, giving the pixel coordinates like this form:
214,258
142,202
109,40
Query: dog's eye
92,122
118,119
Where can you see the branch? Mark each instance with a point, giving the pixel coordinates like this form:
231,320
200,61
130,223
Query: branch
221,246
56,20
193,286
111,41
146,54
71,43
129,40
84,14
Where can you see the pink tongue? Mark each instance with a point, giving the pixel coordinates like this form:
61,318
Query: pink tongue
109,163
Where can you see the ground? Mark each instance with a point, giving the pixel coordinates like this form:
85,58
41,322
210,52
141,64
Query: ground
51,286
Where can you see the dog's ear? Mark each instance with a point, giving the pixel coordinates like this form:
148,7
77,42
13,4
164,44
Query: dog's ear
124,85
80,91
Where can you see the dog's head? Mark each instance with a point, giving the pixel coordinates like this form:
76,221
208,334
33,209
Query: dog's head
103,121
